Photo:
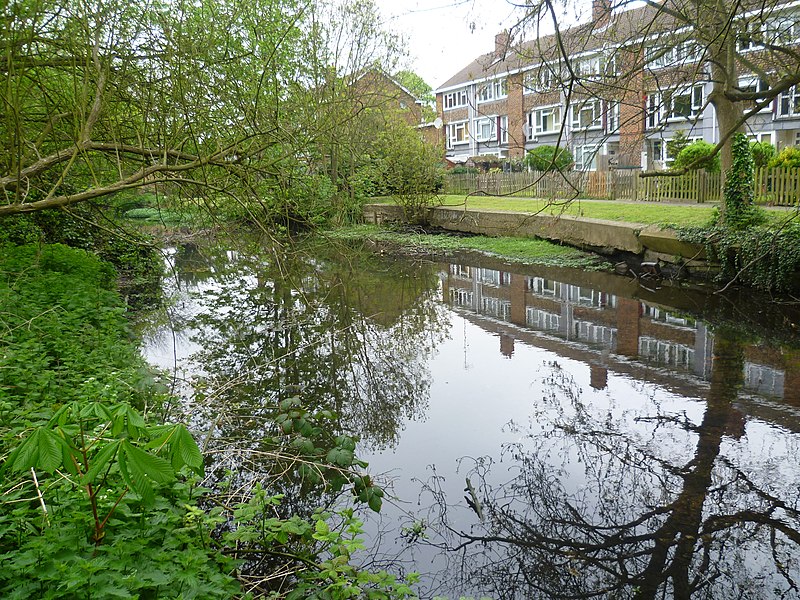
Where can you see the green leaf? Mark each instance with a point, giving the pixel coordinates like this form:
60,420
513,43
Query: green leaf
154,467
40,450
184,450
100,460
138,468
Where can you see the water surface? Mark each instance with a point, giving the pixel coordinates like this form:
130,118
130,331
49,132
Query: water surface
543,432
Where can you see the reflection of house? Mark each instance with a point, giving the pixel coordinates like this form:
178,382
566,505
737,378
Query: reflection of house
623,91
606,324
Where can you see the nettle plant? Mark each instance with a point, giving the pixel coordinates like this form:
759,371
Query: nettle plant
103,505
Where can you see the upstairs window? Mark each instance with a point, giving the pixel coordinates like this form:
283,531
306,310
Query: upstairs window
590,67
685,103
673,55
789,102
586,115
486,129
612,116
543,79
493,90
455,99
753,85
543,121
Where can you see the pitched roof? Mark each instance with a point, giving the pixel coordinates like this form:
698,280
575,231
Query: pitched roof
585,37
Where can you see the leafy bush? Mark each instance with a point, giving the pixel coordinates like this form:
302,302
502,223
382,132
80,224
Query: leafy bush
101,500
788,158
464,170
698,154
763,153
549,158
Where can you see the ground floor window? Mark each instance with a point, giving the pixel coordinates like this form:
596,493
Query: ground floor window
586,157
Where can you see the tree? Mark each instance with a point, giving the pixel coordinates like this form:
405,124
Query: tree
743,55
214,101
419,88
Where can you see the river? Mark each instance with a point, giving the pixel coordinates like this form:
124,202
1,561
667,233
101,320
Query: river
540,432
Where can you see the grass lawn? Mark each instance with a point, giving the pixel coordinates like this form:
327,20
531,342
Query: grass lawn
653,213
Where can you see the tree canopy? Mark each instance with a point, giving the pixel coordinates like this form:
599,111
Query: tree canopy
222,98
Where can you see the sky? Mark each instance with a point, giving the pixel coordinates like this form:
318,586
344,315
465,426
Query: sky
446,35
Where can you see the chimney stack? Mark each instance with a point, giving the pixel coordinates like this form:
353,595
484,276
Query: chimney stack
601,12
502,41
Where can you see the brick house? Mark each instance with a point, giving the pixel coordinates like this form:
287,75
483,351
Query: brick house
630,82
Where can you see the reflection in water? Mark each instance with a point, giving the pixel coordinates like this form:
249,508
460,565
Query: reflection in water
620,442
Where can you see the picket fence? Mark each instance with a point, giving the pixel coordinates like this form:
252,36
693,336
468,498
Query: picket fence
773,187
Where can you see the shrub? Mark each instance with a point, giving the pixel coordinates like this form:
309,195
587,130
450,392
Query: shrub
763,153
549,158
464,170
698,155
739,185
787,158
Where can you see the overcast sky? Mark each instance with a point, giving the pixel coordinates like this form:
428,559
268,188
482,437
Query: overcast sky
446,35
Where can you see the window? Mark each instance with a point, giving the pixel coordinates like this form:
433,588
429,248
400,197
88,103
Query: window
589,67
493,90
782,29
486,129
750,85
685,103
504,129
789,102
612,112
544,120
543,79
661,150
749,38
586,115
680,53
680,103
457,133
455,99
654,109
586,157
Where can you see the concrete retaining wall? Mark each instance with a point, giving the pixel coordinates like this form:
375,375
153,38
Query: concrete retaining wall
605,237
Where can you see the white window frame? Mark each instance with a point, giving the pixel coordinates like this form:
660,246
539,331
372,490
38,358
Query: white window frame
581,152
782,29
503,125
612,116
682,53
589,67
753,84
536,118
788,103
591,106
540,79
453,100
695,96
481,123
493,90
452,132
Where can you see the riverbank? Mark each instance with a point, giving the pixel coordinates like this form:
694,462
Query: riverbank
104,490
762,255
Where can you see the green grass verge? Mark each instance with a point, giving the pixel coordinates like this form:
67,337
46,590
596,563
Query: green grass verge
527,250
655,213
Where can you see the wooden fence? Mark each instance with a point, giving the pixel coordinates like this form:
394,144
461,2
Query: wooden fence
775,187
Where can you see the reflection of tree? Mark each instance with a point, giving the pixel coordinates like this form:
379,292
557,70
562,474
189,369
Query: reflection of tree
646,518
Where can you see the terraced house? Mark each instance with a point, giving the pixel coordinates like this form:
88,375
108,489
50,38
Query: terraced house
617,89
